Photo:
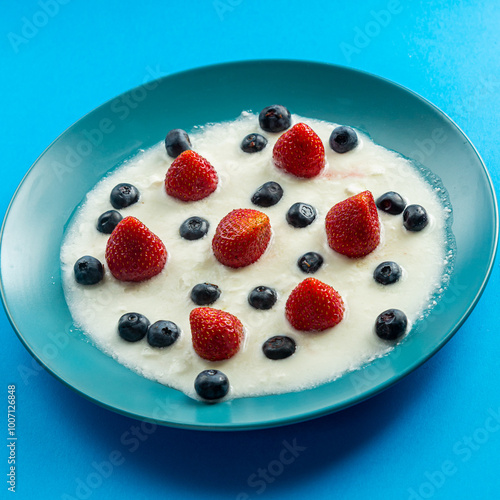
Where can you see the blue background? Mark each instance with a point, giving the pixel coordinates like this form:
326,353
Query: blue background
435,434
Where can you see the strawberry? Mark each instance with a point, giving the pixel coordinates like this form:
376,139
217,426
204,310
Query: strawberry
314,306
190,177
241,237
300,152
133,252
353,226
216,334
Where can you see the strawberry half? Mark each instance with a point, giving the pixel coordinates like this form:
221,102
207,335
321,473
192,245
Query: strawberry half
300,152
133,252
353,226
190,177
314,306
216,334
241,237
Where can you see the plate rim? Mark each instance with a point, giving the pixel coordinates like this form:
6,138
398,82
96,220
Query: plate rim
304,415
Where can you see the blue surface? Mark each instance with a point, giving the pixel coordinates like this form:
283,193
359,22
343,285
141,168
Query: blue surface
435,434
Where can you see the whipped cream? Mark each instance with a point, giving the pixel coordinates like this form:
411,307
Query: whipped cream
320,357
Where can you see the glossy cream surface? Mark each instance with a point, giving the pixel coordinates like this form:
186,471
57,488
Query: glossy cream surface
320,357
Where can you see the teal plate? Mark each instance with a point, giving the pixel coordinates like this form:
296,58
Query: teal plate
54,186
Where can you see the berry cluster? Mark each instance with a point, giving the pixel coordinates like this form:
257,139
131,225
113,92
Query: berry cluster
352,226
133,327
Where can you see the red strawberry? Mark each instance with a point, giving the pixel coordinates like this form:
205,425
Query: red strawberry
241,237
353,226
190,177
133,252
216,334
300,152
314,306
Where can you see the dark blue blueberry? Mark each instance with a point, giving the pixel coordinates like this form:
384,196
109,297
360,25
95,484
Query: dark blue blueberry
133,327
162,334
387,273
301,215
194,228
343,139
262,297
268,194
275,118
391,203
253,143
88,270
211,385
415,218
176,142
123,195
108,221
279,347
310,262
204,294
391,324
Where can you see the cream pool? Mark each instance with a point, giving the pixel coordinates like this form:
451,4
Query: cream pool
424,256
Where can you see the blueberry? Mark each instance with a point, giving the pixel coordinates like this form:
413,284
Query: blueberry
253,143
279,347
162,334
194,228
211,385
133,327
108,221
176,142
123,195
391,324
343,139
275,118
262,297
268,194
301,215
391,202
387,273
310,262
88,270
415,218
204,294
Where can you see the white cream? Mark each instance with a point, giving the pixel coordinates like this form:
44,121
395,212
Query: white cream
320,357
